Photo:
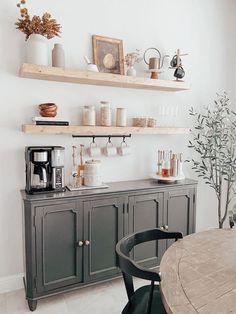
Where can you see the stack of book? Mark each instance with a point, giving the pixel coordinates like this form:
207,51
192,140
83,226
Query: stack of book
49,121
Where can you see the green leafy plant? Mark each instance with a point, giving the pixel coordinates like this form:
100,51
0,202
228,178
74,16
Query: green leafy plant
214,140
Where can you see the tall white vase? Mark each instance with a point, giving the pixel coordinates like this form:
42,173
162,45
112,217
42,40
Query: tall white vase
37,50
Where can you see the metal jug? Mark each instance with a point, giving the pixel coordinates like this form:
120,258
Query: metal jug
155,64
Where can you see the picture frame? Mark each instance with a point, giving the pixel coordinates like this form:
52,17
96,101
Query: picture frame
108,54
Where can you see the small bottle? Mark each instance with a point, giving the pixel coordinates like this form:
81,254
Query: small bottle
105,113
81,165
174,166
166,165
159,162
58,56
180,165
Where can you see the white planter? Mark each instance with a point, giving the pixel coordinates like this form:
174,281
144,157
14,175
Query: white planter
37,50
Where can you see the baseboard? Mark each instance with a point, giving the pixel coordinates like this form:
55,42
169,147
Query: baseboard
11,283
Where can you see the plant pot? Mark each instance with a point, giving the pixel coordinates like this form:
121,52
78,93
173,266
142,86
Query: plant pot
37,50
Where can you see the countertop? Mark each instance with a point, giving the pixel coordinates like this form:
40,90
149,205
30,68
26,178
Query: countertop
114,187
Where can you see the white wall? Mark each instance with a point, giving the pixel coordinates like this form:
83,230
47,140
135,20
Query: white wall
204,29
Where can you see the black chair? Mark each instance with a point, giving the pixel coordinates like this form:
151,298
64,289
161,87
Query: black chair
147,299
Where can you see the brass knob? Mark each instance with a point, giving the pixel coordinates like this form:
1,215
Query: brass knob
166,227
80,243
162,228
86,242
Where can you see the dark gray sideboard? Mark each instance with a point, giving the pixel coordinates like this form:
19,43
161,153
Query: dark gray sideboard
70,237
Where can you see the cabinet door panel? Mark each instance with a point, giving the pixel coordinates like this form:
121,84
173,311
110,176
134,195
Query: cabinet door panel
59,260
145,212
179,214
103,228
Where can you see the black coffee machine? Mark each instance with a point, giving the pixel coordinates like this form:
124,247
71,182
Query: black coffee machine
44,169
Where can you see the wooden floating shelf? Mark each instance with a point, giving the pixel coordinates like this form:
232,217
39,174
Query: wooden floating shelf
104,79
99,130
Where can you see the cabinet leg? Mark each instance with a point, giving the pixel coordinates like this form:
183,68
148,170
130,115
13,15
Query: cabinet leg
32,305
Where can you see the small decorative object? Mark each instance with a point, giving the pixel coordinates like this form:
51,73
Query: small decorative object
121,117
105,113
48,110
214,139
36,30
176,63
108,54
130,60
89,116
155,64
58,56
90,66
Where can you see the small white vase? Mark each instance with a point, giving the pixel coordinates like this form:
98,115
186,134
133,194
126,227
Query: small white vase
58,56
37,50
131,71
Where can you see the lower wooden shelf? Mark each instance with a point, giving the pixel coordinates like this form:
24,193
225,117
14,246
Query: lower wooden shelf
99,130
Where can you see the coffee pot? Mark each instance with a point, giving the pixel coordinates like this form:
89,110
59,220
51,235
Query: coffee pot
155,64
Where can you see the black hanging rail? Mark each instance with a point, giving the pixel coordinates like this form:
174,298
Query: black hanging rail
104,136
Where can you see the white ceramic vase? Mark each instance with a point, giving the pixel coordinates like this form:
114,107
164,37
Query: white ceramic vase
131,71
37,50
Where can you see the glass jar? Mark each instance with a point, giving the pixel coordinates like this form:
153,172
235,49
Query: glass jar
105,113
89,116
121,116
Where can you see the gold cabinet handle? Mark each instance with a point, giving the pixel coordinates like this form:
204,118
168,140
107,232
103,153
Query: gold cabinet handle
80,243
162,228
86,242
166,227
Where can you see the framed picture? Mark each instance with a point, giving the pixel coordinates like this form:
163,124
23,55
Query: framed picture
108,54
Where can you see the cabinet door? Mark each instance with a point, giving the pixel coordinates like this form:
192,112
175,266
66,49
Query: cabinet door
103,228
58,255
145,212
179,213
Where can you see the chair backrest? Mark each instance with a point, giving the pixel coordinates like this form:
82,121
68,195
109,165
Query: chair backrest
128,266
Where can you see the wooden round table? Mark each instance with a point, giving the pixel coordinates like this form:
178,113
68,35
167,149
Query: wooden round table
199,274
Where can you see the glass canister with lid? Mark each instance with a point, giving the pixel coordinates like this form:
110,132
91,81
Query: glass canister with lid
105,113
89,116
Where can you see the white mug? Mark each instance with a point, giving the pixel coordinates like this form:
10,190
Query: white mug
109,150
123,149
94,150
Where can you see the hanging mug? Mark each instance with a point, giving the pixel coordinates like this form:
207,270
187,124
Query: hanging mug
109,150
123,149
179,72
94,150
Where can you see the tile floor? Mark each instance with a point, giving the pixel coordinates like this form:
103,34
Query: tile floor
105,298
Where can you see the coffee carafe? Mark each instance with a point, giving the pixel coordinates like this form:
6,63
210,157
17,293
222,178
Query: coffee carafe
44,169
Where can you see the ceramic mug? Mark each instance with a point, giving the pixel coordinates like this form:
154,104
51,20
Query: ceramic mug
94,150
123,149
109,150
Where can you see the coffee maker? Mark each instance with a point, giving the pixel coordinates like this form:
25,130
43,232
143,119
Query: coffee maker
44,169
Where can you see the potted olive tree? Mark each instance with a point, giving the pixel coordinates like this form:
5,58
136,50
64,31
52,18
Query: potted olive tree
214,141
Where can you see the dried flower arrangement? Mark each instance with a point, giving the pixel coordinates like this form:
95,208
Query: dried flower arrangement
45,25
132,58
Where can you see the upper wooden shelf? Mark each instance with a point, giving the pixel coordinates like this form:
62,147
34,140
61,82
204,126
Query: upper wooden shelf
99,130
34,71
